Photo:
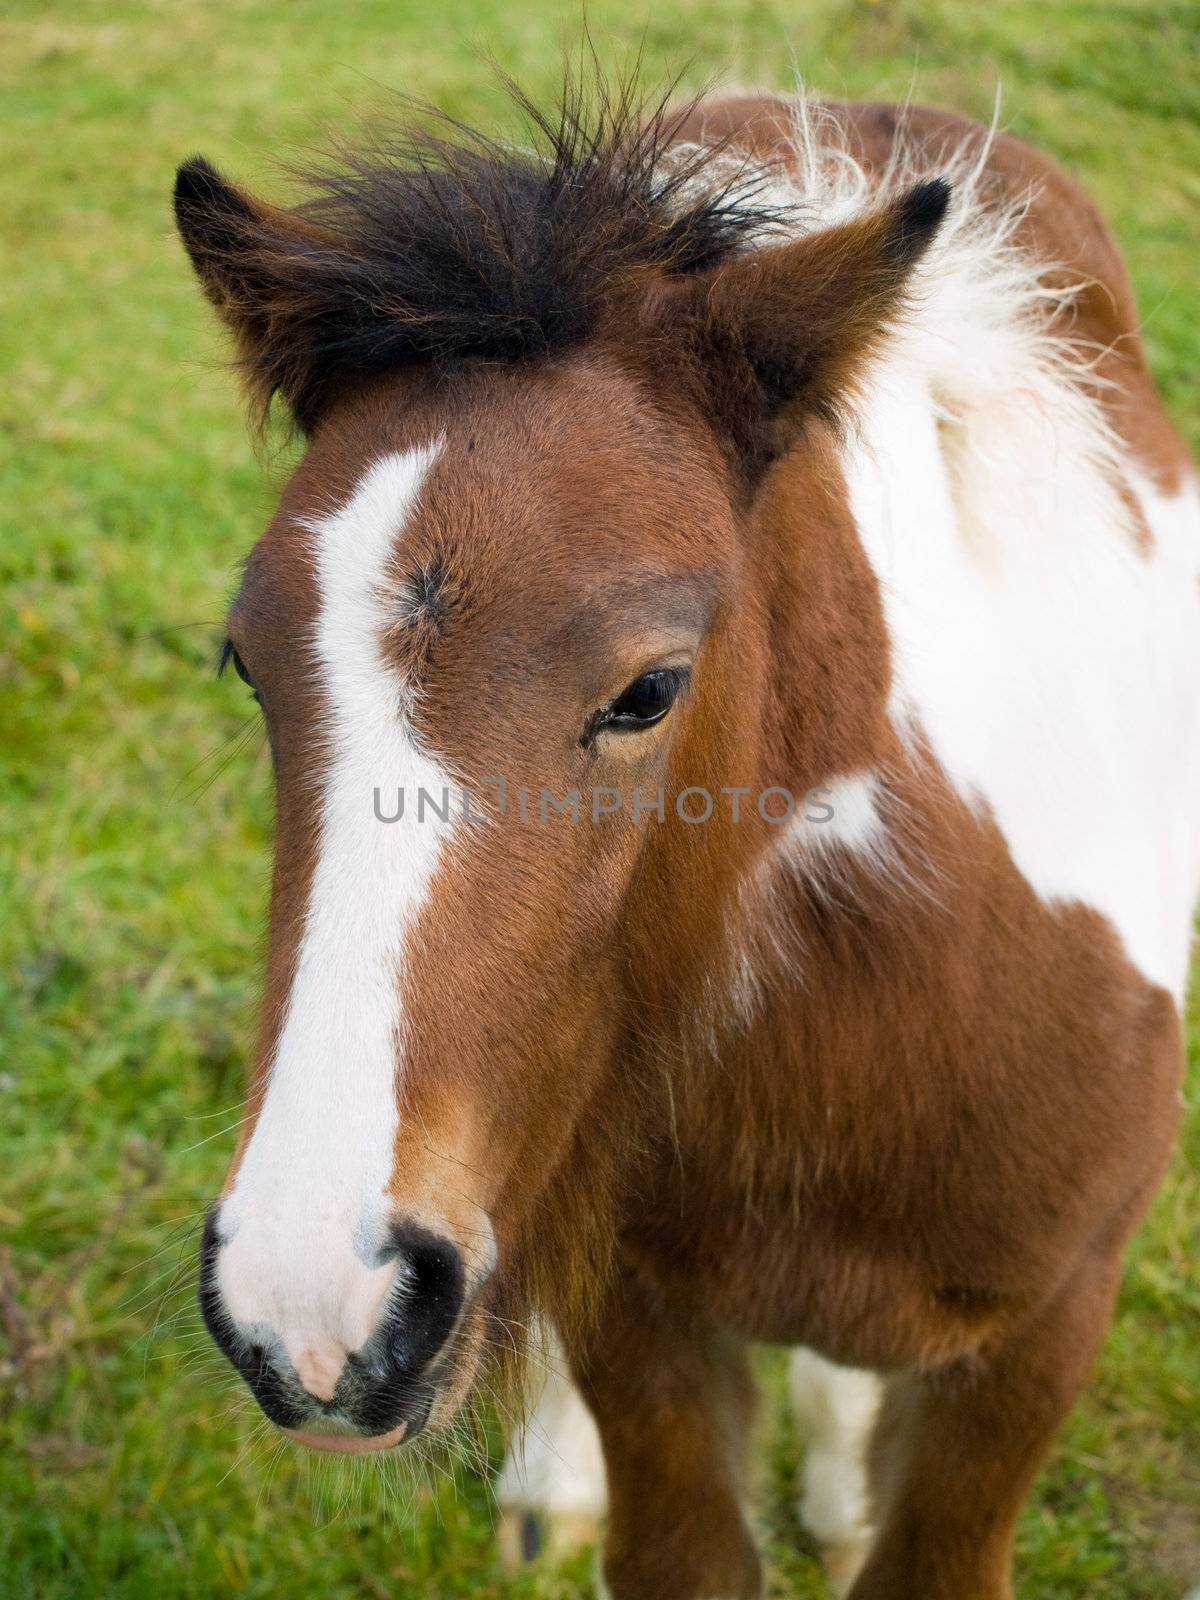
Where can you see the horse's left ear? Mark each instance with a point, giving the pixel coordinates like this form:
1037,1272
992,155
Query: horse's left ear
782,333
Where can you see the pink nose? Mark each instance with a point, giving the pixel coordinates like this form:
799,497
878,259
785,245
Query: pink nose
319,1369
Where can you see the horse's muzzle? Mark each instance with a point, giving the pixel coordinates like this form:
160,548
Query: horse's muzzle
370,1398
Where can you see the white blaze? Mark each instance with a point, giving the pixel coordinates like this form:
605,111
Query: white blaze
308,1210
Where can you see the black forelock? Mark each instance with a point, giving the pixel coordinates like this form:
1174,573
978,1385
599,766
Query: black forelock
439,244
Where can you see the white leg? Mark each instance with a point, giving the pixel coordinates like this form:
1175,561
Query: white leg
835,1409
551,1491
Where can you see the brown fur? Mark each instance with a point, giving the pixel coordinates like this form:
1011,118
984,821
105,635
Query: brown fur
923,1146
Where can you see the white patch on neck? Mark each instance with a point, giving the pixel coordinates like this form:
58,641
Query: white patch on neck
843,812
1053,668
309,1208
843,821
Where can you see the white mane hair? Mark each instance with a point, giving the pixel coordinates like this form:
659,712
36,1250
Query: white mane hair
985,319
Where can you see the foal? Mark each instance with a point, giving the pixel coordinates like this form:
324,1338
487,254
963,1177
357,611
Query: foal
739,573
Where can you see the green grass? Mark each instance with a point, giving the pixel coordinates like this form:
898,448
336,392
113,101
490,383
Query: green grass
134,839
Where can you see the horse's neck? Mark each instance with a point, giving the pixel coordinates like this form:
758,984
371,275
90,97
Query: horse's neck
1001,692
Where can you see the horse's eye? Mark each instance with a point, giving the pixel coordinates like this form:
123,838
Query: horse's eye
230,658
645,702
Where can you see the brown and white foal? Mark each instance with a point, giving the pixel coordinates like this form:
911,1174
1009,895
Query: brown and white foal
769,449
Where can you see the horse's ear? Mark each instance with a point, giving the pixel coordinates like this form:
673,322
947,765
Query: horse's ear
246,255
783,333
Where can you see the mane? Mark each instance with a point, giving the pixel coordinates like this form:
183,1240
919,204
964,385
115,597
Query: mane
988,325
439,244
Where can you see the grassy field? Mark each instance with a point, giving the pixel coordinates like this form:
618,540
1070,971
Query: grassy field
134,824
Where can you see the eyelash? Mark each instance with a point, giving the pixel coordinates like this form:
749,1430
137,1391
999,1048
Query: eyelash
230,658
670,681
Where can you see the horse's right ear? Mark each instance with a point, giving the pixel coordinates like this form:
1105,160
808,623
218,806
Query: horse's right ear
249,257
784,332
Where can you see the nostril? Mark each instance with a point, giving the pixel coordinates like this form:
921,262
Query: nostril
216,1318
400,1352
430,1289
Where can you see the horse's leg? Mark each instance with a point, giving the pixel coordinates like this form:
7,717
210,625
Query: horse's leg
963,1445
551,1494
835,1409
673,1399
